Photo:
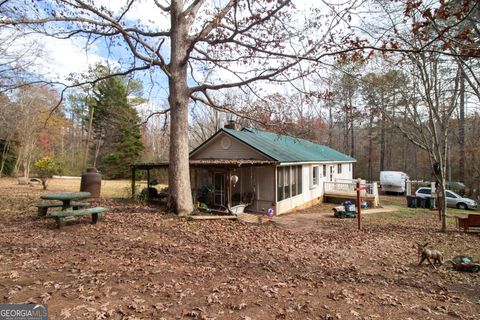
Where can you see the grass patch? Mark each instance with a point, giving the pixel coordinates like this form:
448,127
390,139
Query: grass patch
401,213
409,216
110,188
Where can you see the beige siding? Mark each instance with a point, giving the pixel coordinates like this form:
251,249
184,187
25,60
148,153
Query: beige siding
233,149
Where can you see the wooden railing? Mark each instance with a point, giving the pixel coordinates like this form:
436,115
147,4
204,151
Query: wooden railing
349,181
347,189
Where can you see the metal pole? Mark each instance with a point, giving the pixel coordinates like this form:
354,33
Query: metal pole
359,206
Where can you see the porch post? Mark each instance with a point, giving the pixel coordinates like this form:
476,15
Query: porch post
359,205
195,186
148,184
133,180
229,188
275,185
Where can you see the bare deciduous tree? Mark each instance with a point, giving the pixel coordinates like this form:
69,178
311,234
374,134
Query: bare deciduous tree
235,42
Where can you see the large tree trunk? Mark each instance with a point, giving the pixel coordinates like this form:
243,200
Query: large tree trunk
440,156
179,173
346,131
370,146
461,130
330,127
18,161
405,154
180,195
382,144
382,137
352,133
442,202
6,149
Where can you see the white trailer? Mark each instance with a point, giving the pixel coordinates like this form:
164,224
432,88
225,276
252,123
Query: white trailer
393,181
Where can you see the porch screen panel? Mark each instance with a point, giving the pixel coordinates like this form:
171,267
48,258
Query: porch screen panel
286,182
299,179
280,183
294,180
289,182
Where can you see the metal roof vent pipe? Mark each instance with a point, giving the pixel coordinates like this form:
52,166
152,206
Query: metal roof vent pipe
233,125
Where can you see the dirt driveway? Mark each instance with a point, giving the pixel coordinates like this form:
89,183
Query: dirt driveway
319,217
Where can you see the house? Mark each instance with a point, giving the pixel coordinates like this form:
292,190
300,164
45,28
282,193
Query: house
262,170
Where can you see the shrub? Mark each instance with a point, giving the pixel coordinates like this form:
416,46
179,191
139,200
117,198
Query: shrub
46,167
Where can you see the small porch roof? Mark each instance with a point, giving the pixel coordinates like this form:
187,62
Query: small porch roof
208,163
205,163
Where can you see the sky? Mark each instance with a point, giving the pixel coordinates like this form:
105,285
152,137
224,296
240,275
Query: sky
64,57
67,56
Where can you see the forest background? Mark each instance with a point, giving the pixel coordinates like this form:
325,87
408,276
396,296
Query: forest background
372,105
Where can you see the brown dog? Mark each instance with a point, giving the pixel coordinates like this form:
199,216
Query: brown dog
429,254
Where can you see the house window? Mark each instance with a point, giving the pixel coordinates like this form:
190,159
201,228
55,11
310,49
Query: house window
339,168
289,182
324,170
299,179
314,177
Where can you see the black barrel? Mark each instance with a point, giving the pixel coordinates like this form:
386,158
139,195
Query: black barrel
421,203
91,182
427,203
411,202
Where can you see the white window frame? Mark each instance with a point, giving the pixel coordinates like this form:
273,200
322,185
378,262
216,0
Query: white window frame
314,183
287,177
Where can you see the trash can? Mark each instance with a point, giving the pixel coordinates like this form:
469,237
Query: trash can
421,203
411,202
427,203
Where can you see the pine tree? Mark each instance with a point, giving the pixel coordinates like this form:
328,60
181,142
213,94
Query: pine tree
116,132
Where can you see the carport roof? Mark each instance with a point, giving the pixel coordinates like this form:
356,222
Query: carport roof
207,163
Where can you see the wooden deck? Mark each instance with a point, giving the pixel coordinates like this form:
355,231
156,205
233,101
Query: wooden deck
338,196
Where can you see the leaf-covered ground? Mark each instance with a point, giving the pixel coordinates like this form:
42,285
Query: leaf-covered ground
140,264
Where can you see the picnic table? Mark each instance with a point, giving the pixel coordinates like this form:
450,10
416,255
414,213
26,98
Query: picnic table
66,197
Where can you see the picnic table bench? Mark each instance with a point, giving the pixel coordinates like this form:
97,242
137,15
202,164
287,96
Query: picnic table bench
43,207
472,221
60,216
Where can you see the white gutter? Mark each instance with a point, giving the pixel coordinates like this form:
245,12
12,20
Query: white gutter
313,162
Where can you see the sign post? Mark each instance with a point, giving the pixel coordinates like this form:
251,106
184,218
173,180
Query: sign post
359,203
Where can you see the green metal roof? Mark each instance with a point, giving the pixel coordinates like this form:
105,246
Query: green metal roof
285,148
